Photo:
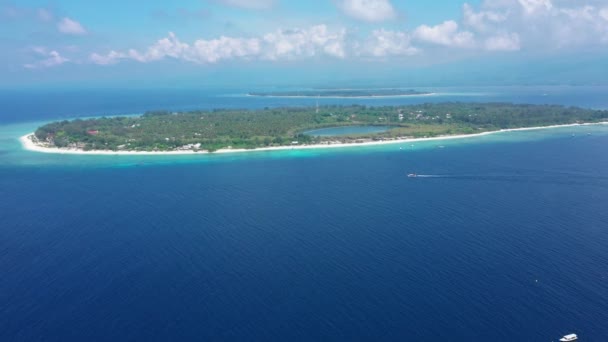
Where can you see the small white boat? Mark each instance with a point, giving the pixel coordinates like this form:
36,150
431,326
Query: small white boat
570,337
412,175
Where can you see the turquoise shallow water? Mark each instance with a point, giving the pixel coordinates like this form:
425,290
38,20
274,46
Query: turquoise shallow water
12,153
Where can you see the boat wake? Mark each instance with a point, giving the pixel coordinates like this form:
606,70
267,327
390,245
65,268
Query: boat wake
599,181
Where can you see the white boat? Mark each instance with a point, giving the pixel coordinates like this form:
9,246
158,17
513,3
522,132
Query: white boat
412,175
570,337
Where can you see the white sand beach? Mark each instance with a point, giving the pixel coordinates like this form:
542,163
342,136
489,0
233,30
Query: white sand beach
30,145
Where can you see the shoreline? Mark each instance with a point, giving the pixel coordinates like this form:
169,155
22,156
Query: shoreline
29,145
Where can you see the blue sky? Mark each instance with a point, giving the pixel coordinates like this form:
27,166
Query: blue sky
265,42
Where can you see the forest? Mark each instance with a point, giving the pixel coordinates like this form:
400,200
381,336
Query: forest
228,128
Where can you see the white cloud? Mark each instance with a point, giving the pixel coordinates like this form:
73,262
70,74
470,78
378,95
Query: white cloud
604,13
166,47
279,45
385,43
50,59
368,10
481,20
495,25
582,13
503,42
317,40
215,50
249,4
69,26
531,7
540,24
446,34
111,58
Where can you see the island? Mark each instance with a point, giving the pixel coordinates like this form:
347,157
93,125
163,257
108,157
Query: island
279,128
341,93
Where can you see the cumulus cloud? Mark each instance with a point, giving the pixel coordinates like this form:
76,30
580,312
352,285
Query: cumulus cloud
249,4
540,24
368,10
503,42
215,50
166,47
383,43
317,40
499,26
112,57
279,45
481,20
446,34
531,7
586,13
49,59
604,13
69,26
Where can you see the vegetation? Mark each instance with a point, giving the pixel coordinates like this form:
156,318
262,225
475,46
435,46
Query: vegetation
212,130
341,93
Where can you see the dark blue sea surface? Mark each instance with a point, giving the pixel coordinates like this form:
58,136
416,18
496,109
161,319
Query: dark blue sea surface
500,238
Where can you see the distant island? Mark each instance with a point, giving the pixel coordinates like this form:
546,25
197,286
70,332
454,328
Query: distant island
230,130
341,93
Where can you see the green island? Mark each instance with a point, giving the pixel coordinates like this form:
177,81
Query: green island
341,93
275,127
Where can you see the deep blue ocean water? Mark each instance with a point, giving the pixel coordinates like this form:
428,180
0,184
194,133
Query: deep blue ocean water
505,238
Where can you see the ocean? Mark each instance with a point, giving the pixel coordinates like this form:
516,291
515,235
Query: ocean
500,238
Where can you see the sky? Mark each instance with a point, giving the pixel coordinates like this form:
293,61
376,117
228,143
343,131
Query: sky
274,42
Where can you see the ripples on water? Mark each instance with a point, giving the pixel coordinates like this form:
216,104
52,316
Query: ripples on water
507,240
